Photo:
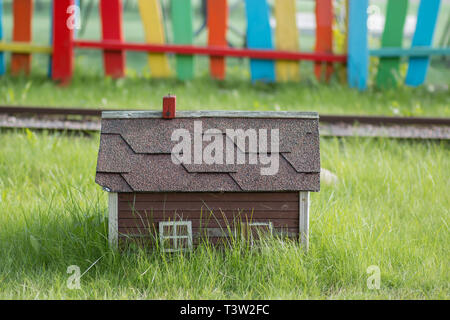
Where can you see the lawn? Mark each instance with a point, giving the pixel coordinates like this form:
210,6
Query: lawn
204,94
390,209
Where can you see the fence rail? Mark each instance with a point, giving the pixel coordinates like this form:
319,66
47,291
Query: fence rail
209,51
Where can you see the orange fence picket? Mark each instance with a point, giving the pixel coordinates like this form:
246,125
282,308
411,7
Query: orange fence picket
22,32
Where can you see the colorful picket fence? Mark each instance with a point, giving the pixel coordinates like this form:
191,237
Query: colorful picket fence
270,59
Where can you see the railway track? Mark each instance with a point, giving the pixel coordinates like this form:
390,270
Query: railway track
85,120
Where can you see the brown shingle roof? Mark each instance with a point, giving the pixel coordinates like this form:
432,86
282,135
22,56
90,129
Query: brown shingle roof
135,153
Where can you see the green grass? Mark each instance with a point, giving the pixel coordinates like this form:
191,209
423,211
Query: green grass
204,94
390,209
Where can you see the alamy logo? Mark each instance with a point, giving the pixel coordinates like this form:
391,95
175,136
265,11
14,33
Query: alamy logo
191,150
74,20
373,281
73,282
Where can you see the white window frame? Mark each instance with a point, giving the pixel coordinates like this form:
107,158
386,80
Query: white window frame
174,235
259,224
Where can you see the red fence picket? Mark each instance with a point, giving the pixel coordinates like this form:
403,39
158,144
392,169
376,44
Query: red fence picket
111,17
62,61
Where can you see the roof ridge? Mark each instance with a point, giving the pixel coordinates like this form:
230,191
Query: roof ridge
133,114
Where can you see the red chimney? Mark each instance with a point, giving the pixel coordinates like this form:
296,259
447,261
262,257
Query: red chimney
169,106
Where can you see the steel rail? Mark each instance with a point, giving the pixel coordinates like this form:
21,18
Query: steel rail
326,118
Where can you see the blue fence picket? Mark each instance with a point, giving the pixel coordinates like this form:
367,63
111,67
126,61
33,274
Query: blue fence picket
259,36
49,68
75,32
2,55
423,36
358,51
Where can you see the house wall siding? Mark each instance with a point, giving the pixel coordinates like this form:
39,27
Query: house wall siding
139,214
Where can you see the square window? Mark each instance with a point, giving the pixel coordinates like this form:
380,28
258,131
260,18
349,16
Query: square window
256,230
168,243
183,242
175,235
167,229
182,230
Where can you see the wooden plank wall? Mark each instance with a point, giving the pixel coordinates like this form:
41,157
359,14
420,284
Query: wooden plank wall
152,22
423,36
286,38
111,18
183,34
140,214
2,55
259,36
217,30
388,69
22,32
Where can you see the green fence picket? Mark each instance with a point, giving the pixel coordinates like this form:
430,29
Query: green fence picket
182,34
388,68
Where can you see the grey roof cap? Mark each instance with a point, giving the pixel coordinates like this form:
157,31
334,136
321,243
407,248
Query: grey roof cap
211,114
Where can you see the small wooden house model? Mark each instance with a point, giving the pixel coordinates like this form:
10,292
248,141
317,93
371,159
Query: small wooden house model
204,173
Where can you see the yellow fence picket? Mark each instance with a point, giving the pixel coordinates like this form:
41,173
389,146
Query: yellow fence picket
151,17
286,38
